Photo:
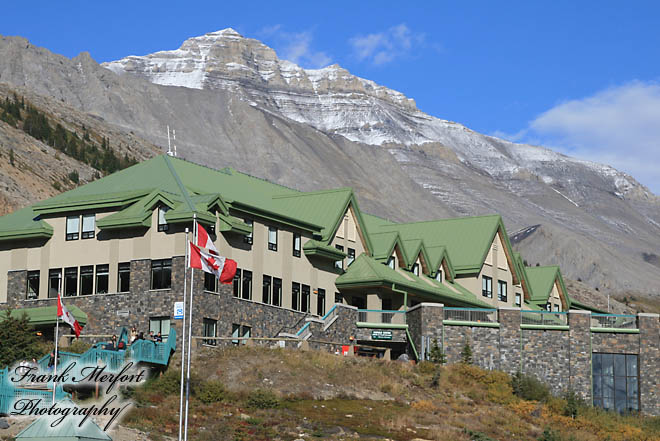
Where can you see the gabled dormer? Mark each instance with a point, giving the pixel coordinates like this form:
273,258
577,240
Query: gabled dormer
388,249
441,264
547,287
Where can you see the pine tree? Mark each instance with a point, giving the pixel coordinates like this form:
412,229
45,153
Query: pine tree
436,355
466,353
18,341
11,157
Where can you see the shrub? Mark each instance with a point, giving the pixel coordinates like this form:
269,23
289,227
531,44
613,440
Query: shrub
549,435
78,347
74,177
528,387
573,403
210,392
262,399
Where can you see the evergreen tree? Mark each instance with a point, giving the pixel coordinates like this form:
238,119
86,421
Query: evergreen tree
466,353
18,341
11,157
436,355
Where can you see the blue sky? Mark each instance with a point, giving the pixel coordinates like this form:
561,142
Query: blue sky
580,77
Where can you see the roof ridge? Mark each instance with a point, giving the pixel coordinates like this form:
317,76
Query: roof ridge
313,193
447,219
233,171
184,191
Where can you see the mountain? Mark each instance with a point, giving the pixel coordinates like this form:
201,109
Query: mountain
234,102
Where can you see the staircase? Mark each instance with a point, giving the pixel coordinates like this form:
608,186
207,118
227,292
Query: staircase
141,351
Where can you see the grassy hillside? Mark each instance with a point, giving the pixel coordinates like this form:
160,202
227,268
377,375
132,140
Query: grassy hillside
259,394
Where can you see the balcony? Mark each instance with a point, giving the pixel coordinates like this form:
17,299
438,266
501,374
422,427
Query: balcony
382,316
625,323
471,316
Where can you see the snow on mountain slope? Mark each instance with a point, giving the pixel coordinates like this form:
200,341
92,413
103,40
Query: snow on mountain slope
336,102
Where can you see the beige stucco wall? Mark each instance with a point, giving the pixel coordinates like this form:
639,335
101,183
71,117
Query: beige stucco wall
497,267
282,264
109,248
554,298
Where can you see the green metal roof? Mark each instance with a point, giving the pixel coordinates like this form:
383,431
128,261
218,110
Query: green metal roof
467,239
366,271
46,315
323,250
69,429
541,280
24,224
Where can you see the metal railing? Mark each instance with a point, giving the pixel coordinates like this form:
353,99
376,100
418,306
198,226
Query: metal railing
613,321
476,315
544,318
386,316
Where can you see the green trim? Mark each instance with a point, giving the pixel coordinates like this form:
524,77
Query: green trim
475,324
380,325
549,327
616,330
319,249
412,343
275,217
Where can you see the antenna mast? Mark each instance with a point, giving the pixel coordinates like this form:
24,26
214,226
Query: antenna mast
169,142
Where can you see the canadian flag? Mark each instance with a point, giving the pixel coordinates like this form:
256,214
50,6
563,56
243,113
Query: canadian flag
204,240
223,268
67,317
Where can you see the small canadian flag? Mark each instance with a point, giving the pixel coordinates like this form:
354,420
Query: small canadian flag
67,317
223,268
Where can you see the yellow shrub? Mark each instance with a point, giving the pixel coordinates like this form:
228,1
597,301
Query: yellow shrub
424,406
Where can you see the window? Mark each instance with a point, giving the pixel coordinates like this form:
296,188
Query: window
161,274
296,245
246,332
237,283
235,332
415,269
248,238
518,299
501,291
277,291
295,296
86,280
210,282
32,291
265,297
54,282
103,278
72,227
304,300
70,281
320,302
160,324
391,262
548,306
210,330
88,228
339,298
438,276
272,238
616,381
240,331
487,287
351,257
124,279
556,308
247,285
339,264
162,223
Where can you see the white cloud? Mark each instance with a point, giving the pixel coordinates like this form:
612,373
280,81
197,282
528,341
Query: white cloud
383,47
295,46
619,126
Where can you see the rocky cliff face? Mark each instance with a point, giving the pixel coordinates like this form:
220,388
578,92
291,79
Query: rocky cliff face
238,104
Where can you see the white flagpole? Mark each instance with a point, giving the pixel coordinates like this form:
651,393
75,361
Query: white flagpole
57,338
183,337
192,281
